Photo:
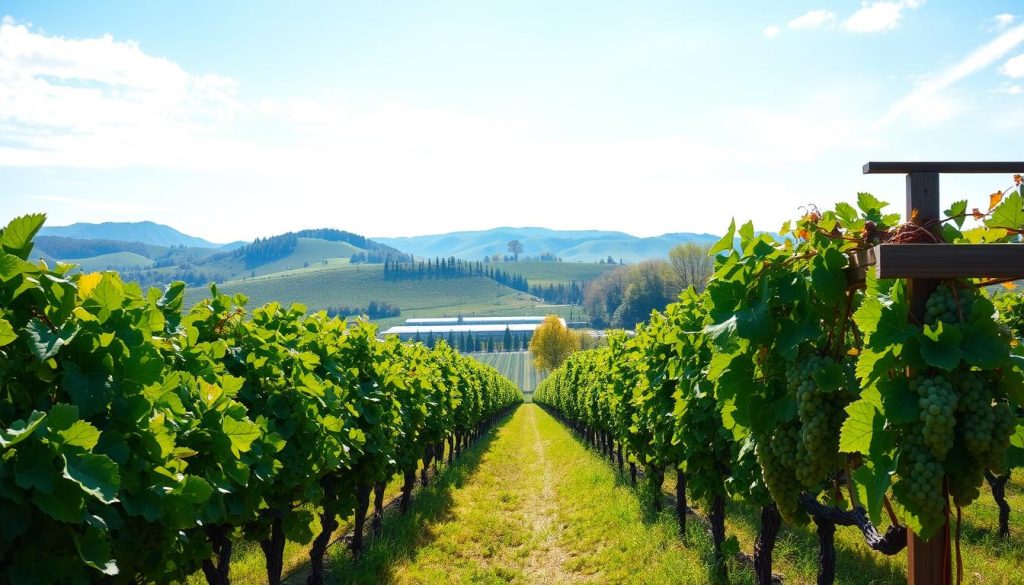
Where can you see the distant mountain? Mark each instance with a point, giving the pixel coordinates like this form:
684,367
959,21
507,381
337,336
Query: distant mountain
146,232
584,246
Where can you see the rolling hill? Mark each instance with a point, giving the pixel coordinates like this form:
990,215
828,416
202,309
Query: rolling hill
358,284
146,232
584,246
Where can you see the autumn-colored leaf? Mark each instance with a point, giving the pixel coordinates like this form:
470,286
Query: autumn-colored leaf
1017,179
853,351
994,200
914,213
977,213
1010,285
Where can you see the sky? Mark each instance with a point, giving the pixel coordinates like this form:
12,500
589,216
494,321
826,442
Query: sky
233,120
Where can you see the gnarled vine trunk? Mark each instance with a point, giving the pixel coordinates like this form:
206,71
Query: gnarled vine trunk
765,543
328,524
826,549
410,481
378,506
362,504
218,573
998,486
428,456
681,506
273,551
717,520
451,448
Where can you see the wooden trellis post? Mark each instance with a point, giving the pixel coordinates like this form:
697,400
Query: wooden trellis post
929,562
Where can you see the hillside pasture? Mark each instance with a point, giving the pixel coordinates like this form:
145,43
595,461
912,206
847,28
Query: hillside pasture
357,285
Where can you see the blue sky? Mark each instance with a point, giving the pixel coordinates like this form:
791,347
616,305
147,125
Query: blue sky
232,120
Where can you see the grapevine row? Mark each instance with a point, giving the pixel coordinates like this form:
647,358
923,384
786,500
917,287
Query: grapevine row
139,440
792,384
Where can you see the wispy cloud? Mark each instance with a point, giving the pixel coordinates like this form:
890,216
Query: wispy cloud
771,31
879,16
928,101
813,19
1003,20
1014,67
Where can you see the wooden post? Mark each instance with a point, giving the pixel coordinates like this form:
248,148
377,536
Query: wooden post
927,560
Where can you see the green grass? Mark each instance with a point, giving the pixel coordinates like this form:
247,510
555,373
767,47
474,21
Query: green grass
516,366
544,273
531,505
115,260
986,559
357,285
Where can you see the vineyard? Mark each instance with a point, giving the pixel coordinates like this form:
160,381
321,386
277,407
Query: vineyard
516,366
823,394
127,420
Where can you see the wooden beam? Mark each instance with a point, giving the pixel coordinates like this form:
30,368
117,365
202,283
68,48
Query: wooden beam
901,168
949,260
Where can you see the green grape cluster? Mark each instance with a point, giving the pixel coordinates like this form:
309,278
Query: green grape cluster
1004,425
976,418
938,402
777,457
945,306
821,416
965,484
923,473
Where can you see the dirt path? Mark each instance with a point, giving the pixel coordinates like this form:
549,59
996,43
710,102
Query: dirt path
529,504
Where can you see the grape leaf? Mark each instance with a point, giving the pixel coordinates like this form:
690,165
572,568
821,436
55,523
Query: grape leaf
241,434
860,427
7,334
94,549
940,345
97,474
21,430
81,434
728,241
16,238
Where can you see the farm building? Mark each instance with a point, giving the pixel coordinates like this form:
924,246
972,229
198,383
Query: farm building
481,328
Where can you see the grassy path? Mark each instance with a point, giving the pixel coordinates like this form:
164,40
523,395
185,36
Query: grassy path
529,504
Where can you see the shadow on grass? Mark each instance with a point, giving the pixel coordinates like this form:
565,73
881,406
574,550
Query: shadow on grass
400,536
797,545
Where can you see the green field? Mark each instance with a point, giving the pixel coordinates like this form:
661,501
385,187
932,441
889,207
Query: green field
543,273
357,285
115,260
516,366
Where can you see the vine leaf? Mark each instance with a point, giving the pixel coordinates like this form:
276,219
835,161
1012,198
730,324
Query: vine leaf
1009,213
940,345
21,430
728,241
94,549
861,427
241,434
16,238
96,474
872,482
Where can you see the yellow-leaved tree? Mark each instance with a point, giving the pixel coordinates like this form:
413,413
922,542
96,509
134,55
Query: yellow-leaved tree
552,344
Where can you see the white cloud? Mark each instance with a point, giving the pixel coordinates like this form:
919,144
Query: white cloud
771,31
879,16
813,19
929,103
101,102
1014,67
1003,20
1015,90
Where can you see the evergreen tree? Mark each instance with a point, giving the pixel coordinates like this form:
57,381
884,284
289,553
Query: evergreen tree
490,344
506,342
417,337
451,340
431,340
470,341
